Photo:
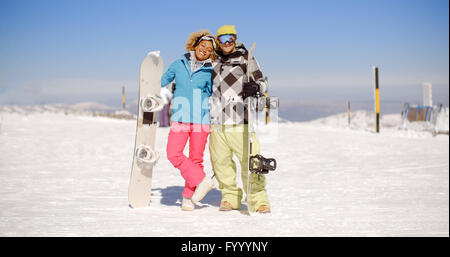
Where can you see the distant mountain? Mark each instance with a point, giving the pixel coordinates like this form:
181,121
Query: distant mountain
366,120
311,110
289,111
85,108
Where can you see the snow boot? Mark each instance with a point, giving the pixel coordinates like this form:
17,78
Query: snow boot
202,189
263,209
225,206
187,204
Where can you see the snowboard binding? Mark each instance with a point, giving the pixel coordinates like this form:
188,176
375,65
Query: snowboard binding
146,155
260,165
152,104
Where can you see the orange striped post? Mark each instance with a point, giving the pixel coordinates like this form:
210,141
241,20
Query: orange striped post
123,98
377,99
348,112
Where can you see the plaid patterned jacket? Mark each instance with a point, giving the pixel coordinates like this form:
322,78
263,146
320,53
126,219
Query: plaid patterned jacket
228,75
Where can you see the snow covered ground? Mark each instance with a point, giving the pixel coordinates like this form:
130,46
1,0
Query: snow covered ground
67,175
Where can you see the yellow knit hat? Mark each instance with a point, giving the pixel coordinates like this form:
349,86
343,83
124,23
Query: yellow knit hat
226,29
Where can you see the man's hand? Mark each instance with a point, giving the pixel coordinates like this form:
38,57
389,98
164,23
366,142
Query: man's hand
249,89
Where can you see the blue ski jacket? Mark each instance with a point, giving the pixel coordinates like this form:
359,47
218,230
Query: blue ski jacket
192,91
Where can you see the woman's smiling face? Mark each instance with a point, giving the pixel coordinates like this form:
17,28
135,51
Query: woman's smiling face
203,50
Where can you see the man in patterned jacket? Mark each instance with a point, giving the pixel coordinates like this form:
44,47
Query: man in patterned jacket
230,88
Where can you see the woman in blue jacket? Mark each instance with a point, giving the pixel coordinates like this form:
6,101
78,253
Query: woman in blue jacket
190,114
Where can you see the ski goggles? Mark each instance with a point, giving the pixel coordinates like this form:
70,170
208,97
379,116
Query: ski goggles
208,38
230,38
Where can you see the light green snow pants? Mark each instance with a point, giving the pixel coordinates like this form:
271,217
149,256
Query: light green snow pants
224,141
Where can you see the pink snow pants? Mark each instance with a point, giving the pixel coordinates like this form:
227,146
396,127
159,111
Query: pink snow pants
191,167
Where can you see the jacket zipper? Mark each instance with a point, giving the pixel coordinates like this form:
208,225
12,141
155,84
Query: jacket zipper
188,70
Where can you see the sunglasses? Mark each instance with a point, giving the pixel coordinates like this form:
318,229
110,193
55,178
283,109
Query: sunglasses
227,38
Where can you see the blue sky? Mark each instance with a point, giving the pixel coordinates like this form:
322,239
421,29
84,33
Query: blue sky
324,50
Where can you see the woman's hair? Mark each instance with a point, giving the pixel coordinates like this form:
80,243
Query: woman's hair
193,38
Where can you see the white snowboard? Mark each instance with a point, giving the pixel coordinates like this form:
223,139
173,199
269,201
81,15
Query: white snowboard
145,156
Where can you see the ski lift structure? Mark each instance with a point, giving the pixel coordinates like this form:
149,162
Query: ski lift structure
429,117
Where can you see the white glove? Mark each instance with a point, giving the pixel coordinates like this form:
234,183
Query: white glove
166,95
